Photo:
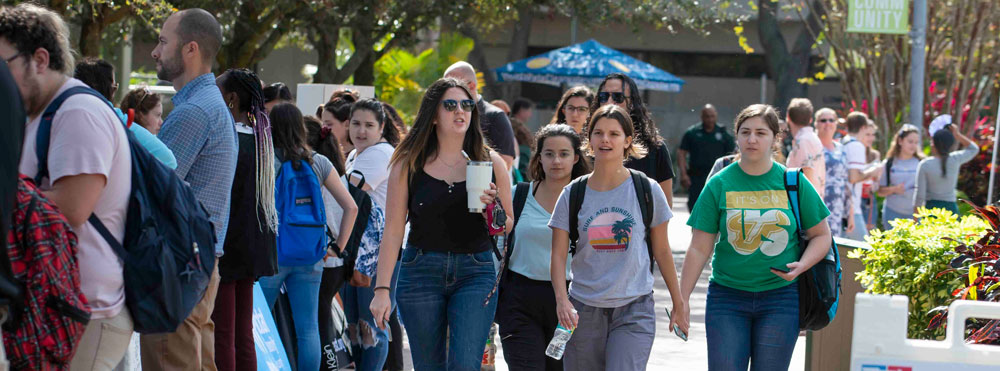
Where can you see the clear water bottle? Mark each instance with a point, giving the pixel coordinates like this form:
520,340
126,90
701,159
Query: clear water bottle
558,344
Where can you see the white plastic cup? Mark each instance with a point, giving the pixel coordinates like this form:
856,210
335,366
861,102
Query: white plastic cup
478,175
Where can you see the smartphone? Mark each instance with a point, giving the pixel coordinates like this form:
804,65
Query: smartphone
677,329
780,269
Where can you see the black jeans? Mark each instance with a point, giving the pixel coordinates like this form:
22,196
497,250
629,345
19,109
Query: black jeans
527,317
394,362
333,278
697,183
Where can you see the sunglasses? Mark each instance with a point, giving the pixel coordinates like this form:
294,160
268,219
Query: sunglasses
618,97
827,120
451,105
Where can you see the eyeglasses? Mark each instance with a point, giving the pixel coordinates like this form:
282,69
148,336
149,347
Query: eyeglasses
603,97
826,120
580,109
11,59
451,105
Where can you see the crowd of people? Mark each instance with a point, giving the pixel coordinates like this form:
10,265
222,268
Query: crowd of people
353,205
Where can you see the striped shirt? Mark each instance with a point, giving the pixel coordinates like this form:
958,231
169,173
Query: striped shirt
201,133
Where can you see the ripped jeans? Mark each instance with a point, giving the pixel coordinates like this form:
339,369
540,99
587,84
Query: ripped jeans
368,340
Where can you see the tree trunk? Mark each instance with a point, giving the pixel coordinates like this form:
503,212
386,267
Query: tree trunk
90,38
519,46
783,66
325,43
365,74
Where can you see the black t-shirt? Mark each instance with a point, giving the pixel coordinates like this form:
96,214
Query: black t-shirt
496,128
656,165
440,220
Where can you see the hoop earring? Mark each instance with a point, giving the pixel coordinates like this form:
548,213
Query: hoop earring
230,104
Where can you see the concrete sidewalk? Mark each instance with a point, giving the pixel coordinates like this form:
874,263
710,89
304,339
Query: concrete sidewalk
670,352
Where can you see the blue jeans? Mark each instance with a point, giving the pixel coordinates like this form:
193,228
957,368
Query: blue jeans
889,215
441,295
357,304
302,285
760,326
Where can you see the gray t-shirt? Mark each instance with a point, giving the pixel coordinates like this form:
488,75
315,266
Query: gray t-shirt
932,185
903,172
611,265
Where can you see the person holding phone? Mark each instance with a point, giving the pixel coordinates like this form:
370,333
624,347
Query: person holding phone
752,310
937,176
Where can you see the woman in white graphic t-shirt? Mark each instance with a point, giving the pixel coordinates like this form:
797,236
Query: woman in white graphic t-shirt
609,304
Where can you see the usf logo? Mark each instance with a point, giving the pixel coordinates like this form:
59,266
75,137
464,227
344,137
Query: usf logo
750,230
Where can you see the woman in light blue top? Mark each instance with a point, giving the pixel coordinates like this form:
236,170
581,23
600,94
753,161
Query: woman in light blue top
526,310
899,179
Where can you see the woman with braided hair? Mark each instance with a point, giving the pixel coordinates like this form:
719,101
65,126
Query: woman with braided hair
251,242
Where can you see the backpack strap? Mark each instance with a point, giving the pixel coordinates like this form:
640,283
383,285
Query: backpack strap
42,139
888,172
361,178
644,193
577,190
792,176
520,198
44,134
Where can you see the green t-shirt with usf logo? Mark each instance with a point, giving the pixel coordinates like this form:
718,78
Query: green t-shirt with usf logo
755,223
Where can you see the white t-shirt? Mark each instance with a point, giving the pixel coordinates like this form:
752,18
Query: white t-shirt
856,159
88,138
373,162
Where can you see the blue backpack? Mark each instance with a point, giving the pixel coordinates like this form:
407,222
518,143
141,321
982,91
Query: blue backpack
819,287
301,215
169,247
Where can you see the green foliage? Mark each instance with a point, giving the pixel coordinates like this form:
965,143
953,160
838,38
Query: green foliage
400,76
906,260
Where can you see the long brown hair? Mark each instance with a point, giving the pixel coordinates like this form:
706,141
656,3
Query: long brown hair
289,134
636,150
895,147
582,165
324,142
421,143
574,92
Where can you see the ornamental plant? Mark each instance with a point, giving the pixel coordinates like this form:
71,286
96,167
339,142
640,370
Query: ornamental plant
976,268
906,260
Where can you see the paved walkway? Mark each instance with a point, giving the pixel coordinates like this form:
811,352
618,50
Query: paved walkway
670,352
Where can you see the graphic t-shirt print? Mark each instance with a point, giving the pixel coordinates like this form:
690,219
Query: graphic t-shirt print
609,230
755,220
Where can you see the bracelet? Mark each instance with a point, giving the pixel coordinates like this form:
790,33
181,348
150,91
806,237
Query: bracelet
381,287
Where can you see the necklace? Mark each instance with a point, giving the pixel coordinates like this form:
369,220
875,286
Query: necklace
450,165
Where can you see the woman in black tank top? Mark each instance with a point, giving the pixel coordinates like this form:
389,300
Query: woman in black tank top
447,270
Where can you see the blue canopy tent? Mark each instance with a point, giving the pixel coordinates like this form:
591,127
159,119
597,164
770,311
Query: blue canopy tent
587,63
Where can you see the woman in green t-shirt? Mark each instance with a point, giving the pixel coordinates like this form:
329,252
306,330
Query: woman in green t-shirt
752,310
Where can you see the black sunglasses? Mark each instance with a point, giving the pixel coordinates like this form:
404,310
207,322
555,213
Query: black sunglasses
451,105
618,97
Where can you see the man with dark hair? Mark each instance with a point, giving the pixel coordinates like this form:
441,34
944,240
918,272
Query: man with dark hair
88,170
701,145
99,75
201,133
494,122
807,150
860,136
522,110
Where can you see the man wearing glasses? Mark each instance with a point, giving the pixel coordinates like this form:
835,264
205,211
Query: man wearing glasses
705,142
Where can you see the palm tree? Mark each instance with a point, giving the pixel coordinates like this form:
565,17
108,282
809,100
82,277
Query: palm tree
621,230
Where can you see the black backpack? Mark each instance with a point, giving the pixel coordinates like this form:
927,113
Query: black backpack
169,247
364,202
819,287
520,197
643,191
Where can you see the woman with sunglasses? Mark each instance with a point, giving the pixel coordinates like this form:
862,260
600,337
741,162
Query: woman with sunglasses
574,108
610,302
752,310
620,90
839,196
447,270
899,179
